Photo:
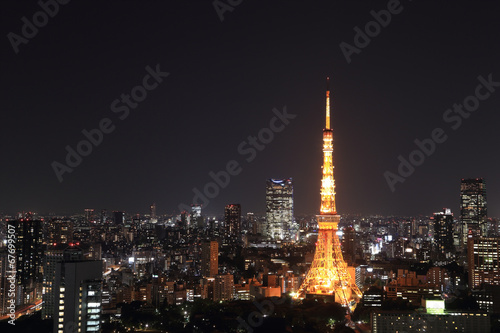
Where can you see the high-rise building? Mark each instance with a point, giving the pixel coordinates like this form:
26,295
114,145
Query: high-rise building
251,223
104,215
349,244
89,215
279,210
443,233
329,277
152,211
232,221
78,296
54,254
483,260
4,283
209,259
118,218
29,240
196,217
224,287
473,208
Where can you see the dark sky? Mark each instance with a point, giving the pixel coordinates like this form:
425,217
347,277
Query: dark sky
225,79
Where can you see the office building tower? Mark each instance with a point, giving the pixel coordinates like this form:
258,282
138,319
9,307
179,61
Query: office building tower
224,287
152,211
443,233
29,240
483,260
251,223
209,259
473,208
349,244
232,221
118,218
196,217
279,210
78,296
89,215
54,254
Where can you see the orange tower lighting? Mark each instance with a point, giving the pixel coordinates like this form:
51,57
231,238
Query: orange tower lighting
328,275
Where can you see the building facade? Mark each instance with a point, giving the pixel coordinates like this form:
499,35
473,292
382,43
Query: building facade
78,296
279,210
443,233
483,260
232,221
209,259
224,287
473,208
414,321
29,252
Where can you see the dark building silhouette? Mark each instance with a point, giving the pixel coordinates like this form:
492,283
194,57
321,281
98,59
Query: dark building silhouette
349,245
232,221
443,232
29,253
118,218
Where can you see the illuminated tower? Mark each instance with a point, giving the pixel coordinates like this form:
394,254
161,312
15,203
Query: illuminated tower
473,208
328,275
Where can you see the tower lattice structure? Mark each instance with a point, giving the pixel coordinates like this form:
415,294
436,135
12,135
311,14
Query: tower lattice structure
328,274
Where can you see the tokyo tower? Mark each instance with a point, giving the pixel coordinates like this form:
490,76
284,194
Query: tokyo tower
328,275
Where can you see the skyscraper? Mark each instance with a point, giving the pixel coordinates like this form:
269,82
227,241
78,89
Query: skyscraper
54,254
232,221
473,208
77,295
196,217
443,233
279,210
29,253
209,259
483,257
118,218
104,216
152,211
89,215
349,244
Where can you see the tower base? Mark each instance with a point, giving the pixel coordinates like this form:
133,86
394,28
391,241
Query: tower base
325,298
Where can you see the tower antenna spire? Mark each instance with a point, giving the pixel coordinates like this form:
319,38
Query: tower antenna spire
327,102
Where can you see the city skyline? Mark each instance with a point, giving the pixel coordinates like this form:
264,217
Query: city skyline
164,171
212,83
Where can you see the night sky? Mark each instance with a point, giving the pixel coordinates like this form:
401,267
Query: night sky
225,78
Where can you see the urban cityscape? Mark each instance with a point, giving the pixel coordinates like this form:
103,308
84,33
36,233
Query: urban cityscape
126,227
